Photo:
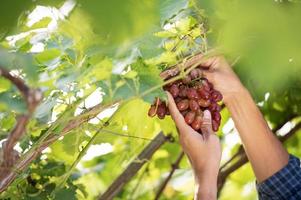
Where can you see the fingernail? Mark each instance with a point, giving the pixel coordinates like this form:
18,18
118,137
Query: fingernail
207,114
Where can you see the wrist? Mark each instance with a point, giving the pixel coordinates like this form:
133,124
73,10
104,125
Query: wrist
206,189
238,93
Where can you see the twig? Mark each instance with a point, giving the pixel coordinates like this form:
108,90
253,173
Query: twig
174,167
134,167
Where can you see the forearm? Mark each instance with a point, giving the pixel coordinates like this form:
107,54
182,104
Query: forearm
265,152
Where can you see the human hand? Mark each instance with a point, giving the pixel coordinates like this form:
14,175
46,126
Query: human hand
221,75
203,151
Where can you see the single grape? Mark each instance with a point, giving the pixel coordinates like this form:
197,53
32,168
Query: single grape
161,111
204,94
216,96
174,90
216,116
215,126
197,123
204,103
183,105
152,111
183,91
189,117
192,93
193,105
214,107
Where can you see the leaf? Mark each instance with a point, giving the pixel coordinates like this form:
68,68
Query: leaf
68,148
169,8
44,110
12,103
149,78
15,60
4,84
48,55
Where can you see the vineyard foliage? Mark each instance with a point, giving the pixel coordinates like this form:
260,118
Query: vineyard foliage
97,64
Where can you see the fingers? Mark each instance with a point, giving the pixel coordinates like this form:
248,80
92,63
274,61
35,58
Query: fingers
175,113
206,127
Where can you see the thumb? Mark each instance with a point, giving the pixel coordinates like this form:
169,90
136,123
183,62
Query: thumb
206,127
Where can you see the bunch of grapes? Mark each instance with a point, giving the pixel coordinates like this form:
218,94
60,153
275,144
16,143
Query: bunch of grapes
192,95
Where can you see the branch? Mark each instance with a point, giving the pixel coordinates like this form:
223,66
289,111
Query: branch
32,97
134,166
174,167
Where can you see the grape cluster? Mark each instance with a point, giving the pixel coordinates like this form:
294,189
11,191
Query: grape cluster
193,94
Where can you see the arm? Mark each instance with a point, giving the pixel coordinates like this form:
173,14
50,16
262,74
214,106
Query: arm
203,152
266,154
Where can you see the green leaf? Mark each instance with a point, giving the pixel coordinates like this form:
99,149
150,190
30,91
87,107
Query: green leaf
44,110
15,60
48,55
4,84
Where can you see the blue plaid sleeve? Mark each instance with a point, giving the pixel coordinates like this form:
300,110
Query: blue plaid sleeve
285,184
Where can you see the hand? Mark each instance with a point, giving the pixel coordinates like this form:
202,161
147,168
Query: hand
203,151
219,72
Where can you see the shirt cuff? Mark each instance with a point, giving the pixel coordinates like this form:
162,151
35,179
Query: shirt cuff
283,184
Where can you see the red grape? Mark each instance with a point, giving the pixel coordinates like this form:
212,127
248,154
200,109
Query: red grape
152,111
204,103
216,116
216,96
191,93
189,117
214,107
183,104
174,90
215,126
197,122
193,105
183,91
161,111
204,94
